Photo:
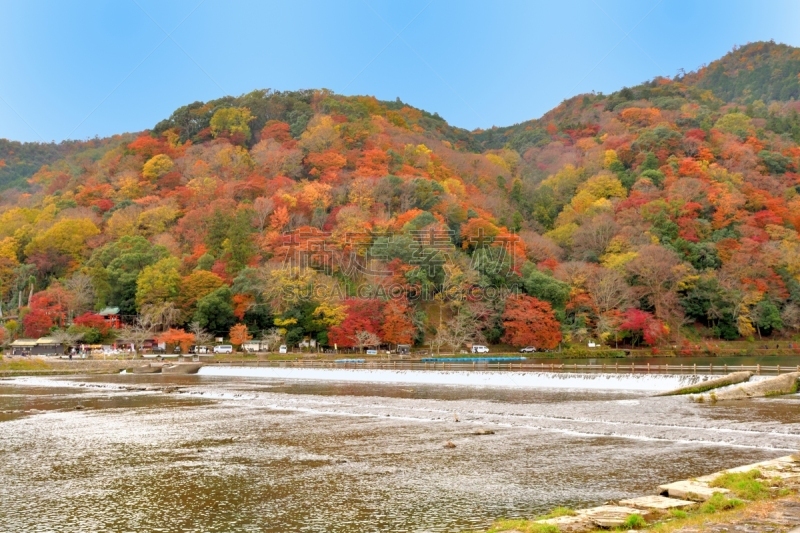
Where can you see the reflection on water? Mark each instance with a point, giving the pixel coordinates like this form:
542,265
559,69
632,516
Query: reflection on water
240,455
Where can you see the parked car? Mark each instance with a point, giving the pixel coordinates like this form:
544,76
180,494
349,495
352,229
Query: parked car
479,348
223,348
282,349
527,349
200,349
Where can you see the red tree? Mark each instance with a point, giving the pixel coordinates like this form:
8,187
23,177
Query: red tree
397,327
54,302
37,323
362,315
644,324
529,321
92,320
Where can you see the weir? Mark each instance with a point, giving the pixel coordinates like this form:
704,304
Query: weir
522,380
685,367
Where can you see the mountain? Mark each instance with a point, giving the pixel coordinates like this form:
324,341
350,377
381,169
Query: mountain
657,214
763,71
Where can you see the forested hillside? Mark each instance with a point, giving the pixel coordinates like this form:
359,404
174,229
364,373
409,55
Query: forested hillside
658,213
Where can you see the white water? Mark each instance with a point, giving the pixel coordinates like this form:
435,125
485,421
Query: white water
518,380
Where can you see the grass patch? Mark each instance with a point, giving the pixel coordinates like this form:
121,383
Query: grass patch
743,484
525,526
719,502
719,509
634,521
15,365
558,511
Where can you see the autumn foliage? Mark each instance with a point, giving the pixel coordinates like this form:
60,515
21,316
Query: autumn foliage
530,322
239,335
37,323
627,217
177,337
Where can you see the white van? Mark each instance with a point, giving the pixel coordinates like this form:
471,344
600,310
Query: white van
479,348
223,348
282,349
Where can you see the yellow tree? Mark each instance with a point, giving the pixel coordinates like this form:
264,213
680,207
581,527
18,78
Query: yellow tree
194,286
67,237
232,122
157,166
320,134
158,283
329,314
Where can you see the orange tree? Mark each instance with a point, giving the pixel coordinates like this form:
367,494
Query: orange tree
179,337
239,335
529,321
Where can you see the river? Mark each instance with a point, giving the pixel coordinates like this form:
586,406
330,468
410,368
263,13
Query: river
301,453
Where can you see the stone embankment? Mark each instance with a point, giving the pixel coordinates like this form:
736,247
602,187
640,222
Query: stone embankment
53,366
737,386
151,368
682,495
181,368
714,383
777,386
165,368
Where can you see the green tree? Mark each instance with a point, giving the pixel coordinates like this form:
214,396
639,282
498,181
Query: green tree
238,247
115,269
735,123
544,287
767,317
215,311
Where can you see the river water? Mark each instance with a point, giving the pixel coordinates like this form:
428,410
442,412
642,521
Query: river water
302,453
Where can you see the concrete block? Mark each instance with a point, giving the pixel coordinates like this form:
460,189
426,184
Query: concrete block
657,503
690,490
570,524
611,515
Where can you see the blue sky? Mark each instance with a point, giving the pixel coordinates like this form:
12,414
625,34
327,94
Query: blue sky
73,70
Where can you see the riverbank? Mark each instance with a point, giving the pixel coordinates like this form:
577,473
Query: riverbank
762,497
50,366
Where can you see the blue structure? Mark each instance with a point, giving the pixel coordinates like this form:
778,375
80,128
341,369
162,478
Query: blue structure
351,361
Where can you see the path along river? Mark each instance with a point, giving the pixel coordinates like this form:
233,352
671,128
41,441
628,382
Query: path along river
276,450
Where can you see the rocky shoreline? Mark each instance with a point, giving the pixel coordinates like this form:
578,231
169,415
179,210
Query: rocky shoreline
756,498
